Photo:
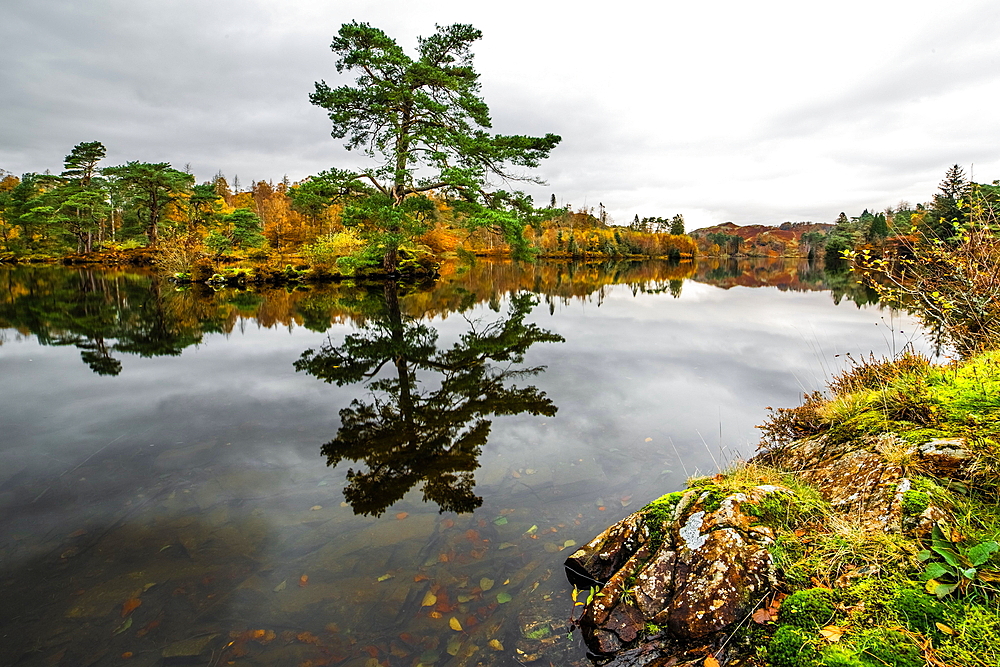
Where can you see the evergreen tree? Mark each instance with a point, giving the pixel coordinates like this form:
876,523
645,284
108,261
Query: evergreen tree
81,163
878,229
677,224
950,208
150,188
406,113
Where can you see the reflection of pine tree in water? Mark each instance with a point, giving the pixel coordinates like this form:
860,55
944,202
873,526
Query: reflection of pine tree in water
405,436
99,313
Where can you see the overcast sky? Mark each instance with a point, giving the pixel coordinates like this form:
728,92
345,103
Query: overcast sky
755,112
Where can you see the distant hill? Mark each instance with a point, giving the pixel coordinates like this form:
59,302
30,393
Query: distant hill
789,239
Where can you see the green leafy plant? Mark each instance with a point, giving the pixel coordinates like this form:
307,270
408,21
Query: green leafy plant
962,565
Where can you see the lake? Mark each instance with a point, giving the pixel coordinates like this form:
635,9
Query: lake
360,475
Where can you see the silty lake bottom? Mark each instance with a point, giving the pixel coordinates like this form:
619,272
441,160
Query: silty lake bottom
347,475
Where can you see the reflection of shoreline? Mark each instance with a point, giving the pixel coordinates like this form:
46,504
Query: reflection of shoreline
108,313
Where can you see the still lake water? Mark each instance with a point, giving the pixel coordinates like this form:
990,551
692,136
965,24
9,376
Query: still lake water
165,493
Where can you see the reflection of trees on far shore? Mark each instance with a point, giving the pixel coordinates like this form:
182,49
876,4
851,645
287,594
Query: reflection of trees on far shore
100,313
409,431
107,313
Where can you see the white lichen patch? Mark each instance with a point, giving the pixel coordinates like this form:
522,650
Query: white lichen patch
690,532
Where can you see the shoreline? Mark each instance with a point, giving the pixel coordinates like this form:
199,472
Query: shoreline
835,546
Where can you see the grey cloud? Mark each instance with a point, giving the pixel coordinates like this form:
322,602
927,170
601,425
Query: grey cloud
957,53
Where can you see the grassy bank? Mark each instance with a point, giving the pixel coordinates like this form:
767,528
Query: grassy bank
913,581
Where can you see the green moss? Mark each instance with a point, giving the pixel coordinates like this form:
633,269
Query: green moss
839,656
918,611
975,642
658,512
883,647
652,629
971,387
792,647
712,496
810,609
919,436
915,502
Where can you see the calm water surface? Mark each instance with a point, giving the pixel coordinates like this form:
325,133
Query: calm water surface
358,476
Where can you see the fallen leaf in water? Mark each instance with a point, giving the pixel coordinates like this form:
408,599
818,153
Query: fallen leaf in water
602,508
531,531
315,508
500,521
529,471
130,605
710,661
626,501
486,583
447,523
443,558
77,533
385,577
454,624
551,547
435,614
263,636
832,633
503,598
343,504
421,577
429,600
307,638
371,650
152,625
402,515
454,645
123,627
303,580
466,598
515,474
505,512
127,654
506,545
506,581
280,587
651,440
496,645
569,543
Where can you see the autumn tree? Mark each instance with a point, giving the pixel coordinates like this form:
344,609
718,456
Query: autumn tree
424,124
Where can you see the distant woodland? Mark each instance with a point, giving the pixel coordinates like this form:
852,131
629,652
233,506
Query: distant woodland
90,208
